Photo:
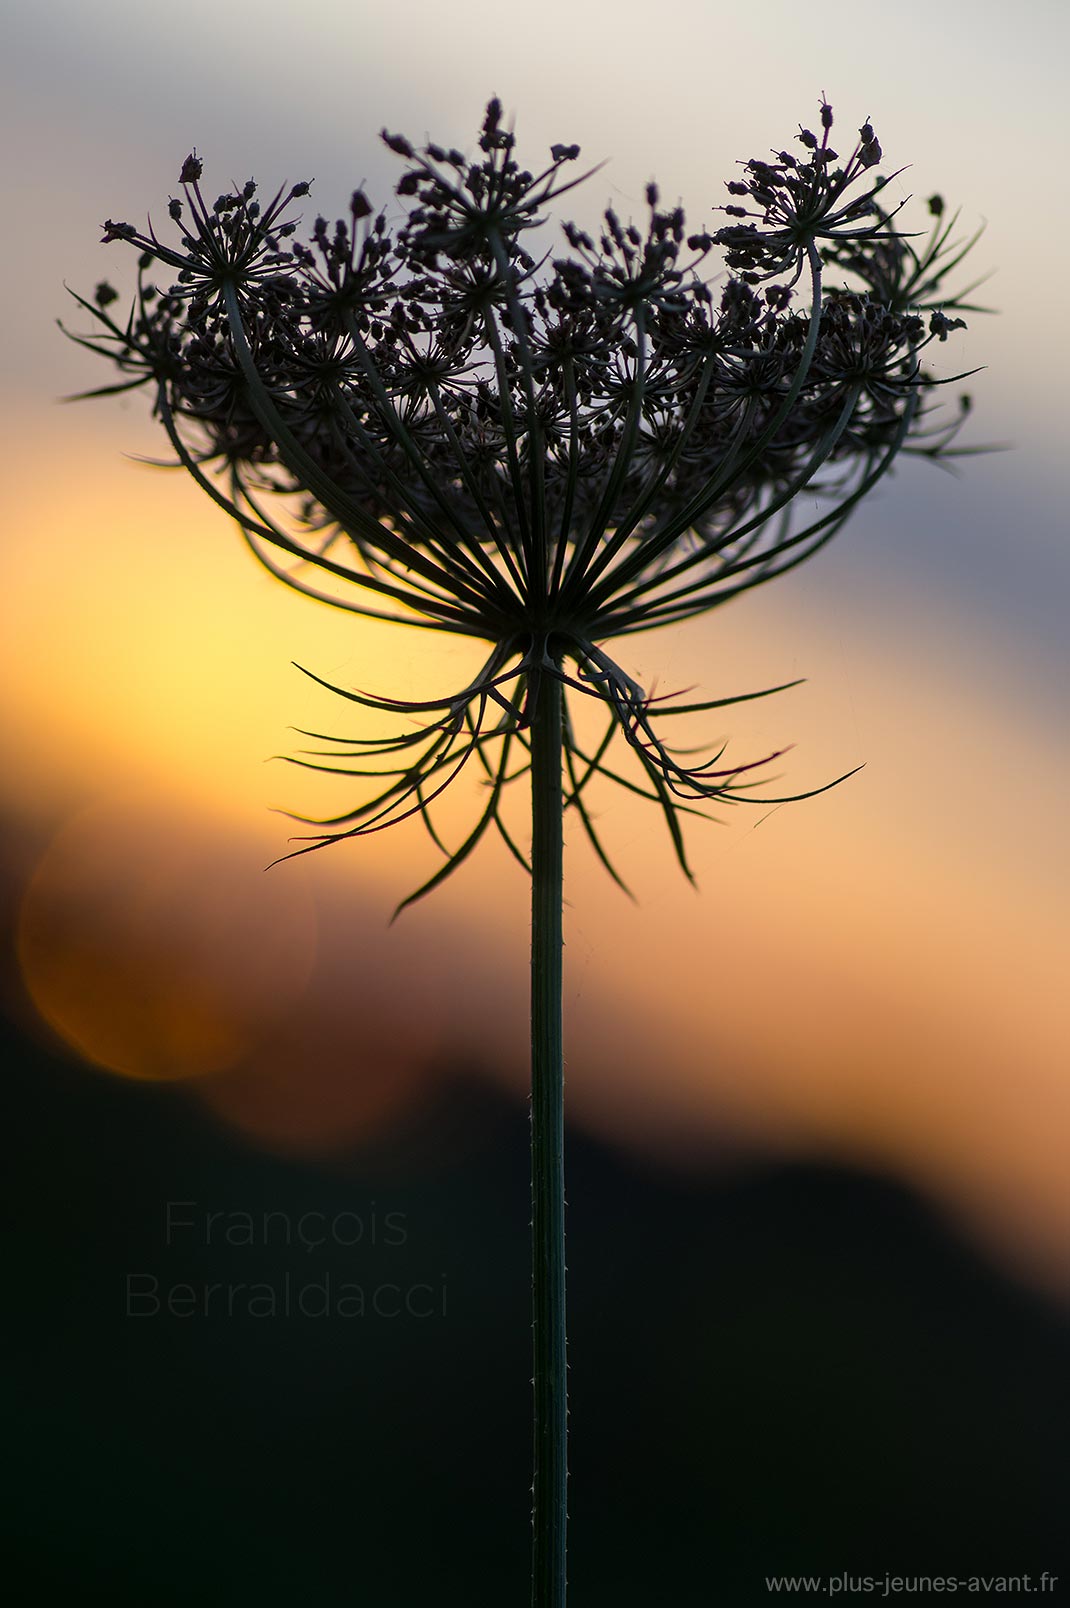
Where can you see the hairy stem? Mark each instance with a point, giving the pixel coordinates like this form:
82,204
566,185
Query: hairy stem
548,1156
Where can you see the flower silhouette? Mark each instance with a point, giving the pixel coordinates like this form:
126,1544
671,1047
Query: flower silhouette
420,422
423,423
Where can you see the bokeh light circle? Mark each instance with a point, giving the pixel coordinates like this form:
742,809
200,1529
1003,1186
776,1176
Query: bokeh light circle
157,950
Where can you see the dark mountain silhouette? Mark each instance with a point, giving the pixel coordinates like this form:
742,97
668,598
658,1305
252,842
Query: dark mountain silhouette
774,1370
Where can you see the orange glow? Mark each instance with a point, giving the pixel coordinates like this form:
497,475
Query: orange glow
871,976
148,646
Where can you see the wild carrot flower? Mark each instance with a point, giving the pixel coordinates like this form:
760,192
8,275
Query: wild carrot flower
418,421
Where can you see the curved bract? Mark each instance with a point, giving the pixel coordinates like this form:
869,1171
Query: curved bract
423,423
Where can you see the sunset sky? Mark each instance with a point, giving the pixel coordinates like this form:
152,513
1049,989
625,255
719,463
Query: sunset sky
874,976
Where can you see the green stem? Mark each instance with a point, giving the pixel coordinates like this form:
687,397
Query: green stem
548,1156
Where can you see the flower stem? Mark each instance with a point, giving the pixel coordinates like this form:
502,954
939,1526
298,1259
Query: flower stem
548,1156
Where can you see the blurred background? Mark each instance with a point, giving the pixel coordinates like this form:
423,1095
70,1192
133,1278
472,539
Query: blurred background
820,1192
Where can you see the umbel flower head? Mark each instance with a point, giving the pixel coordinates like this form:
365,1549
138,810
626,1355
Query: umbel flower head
412,418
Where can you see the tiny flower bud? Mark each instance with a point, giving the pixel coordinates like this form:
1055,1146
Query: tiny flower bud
192,168
941,326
